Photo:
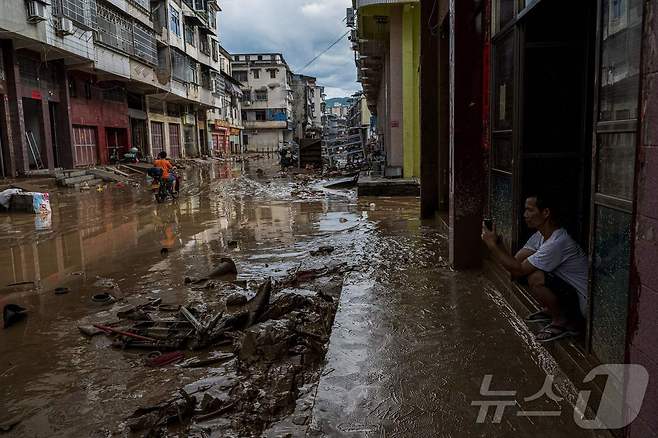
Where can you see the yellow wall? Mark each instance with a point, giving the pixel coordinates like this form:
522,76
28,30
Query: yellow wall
411,89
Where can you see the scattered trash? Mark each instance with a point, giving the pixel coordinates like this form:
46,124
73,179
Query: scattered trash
226,267
103,298
158,359
62,290
20,283
13,313
90,330
323,250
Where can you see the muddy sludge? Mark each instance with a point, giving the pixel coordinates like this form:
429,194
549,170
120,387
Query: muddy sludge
262,369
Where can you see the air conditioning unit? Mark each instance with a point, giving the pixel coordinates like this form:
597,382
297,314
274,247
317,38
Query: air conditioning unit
36,11
65,27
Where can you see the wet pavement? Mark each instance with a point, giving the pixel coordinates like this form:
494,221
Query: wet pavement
411,341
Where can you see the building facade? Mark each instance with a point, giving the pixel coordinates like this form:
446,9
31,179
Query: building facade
267,102
511,105
308,107
386,39
82,81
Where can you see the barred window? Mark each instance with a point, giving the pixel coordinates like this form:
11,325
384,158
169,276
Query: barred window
178,65
189,35
145,46
261,95
81,11
113,29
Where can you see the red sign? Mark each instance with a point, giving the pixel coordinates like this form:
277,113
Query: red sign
36,94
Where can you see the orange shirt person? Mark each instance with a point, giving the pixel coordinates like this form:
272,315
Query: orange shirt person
163,164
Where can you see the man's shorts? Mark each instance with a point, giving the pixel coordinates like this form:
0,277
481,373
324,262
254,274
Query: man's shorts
567,295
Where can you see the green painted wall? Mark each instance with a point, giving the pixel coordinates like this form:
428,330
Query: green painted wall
411,89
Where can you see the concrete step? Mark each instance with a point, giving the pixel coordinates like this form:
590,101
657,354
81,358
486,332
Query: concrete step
70,174
76,180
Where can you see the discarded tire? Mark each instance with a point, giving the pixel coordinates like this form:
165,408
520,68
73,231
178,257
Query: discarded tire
103,298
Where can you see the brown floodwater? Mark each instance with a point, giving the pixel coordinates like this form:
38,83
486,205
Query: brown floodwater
411,342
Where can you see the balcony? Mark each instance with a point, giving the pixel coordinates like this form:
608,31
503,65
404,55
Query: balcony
265,124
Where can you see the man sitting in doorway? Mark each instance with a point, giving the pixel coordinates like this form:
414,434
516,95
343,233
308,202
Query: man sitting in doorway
554,265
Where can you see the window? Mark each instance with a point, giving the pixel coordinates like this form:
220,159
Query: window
113,29
215,51
261,95
504,13
189,35
145,46
174,22
73,89
192,72
273,73
240,76
256,73
88,89
114,94
178,65
260,116
204,45
260,57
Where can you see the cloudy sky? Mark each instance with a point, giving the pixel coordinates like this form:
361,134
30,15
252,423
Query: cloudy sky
300,29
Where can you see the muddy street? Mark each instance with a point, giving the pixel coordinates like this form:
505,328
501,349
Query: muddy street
405,355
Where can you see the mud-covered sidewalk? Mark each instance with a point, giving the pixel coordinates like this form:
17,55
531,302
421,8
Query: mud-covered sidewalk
405,356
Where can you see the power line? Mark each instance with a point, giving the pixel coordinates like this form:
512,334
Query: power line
325,51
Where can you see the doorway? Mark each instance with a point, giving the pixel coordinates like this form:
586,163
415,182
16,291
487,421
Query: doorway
117,143
34,134
138,135
556,72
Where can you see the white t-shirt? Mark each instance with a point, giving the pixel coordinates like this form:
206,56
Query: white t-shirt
562,256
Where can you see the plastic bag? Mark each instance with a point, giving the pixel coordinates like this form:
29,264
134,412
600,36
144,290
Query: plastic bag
41,203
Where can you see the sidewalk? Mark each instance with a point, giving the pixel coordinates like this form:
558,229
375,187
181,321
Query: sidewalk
412,342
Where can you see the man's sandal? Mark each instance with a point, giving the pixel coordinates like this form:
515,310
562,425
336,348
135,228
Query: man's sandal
554,332
539,316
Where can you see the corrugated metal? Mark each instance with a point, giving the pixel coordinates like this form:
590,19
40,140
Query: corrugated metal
362,3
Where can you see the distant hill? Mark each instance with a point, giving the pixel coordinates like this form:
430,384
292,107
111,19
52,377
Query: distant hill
333,101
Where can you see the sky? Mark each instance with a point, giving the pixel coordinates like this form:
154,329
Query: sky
300,29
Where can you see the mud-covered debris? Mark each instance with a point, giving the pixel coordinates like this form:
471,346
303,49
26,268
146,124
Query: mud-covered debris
216,359
185,313
173,411
13,313
8,426
267,341
323,250
236,299
225,268
157,359
232,244
90,330
258,305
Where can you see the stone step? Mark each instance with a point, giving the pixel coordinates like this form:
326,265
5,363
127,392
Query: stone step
76,180
70,174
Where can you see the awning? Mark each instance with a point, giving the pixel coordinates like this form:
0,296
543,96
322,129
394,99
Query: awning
233,90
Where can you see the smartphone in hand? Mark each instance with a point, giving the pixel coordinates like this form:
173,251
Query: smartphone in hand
488,222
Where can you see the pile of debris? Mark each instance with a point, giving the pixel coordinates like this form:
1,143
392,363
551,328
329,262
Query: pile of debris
263,350
87,178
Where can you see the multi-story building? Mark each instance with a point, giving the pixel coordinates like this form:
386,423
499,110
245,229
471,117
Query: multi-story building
307,107
225,122
84,80
386,38
267,102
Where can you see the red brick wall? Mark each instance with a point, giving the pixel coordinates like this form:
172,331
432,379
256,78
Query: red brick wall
643,323
98,112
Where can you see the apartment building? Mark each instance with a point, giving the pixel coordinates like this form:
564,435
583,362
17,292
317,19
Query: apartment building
225,123
308,107
267,102
84,80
